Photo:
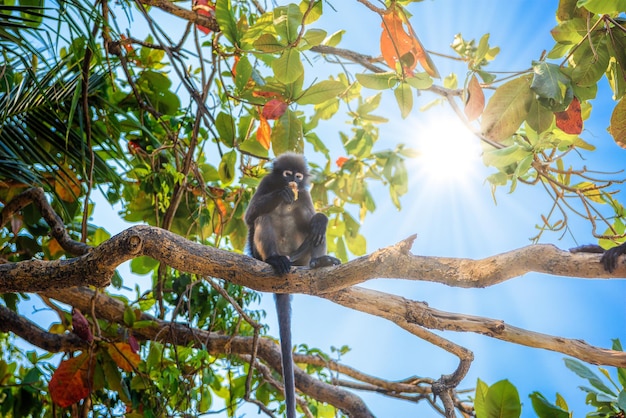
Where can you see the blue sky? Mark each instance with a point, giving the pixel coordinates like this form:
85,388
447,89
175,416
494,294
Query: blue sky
458,218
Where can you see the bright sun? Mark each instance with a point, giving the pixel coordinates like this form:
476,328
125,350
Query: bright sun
448,152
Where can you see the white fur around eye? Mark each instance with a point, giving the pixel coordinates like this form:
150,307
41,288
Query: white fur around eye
299,176
287,173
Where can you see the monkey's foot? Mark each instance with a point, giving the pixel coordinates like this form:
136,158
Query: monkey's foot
324,261
279,263
609,259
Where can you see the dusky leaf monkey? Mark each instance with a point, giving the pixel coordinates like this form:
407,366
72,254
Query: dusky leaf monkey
285,230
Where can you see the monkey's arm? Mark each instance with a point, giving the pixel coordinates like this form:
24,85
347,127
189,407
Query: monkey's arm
264,203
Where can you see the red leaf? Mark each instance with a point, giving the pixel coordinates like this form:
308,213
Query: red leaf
274,109
134,344
202,7
81,326
341,161
71,381
475,103
124,356
264,133
570,121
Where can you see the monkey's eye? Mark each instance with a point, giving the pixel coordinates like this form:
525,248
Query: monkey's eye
299,176
287,173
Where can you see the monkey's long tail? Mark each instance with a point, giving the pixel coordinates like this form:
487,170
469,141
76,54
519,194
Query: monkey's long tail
283,310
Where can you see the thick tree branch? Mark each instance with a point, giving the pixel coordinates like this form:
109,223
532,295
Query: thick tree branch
96,267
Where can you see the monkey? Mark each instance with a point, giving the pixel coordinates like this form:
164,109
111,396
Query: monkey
284,230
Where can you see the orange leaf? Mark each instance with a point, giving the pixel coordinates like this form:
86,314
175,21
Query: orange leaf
234,71
67,185
71,381
55,248
274,109
570,121
397,45
341,161
264,133
124,356
475,103
266,94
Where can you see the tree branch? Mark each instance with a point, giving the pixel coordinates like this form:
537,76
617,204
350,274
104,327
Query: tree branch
409,314
34,334
96,267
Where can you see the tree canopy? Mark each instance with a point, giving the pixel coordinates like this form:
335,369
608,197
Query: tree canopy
172,111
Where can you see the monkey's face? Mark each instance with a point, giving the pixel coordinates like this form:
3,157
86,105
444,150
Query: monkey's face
290,176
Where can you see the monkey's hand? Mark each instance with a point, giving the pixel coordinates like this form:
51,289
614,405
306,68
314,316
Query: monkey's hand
609,258
287,195
279,263
317,233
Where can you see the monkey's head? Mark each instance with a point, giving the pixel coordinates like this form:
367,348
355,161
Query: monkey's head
291,167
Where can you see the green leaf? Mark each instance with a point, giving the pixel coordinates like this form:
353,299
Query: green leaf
225,126
357,244
378,81
288,67
539,118
590,62
482,49
420,81
603,6
226,20
287,134
311,38
545,409
268,43
227,167
552,86
570,32
480,399
129,316
621,400
404,98
585,372
287,21
334,39
507,108
35,18
143,265
560,402
503,401
243,72
617,128
253,147
314,13
320,92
